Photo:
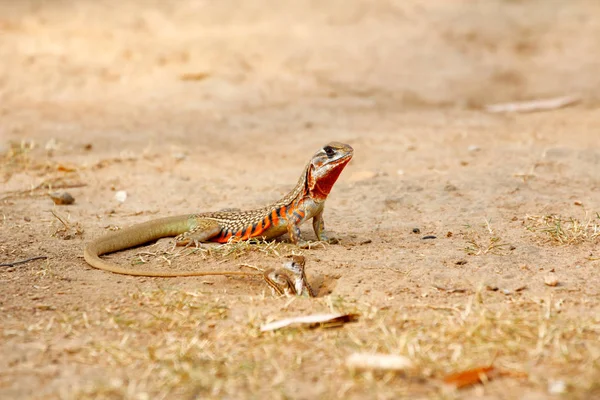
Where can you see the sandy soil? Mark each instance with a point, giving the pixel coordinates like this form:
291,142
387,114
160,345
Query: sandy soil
201,106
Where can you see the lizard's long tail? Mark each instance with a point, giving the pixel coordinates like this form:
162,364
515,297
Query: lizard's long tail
137,235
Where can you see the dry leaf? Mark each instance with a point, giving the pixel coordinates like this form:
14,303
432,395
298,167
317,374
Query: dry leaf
198,76
470,377
388,362
65,168
312,321
534,105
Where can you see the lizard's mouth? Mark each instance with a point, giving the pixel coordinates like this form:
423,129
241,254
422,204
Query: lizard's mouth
322,181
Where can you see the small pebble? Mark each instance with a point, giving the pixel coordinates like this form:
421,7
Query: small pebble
179,156
429,237
416,230
62,198
551,280
121,196
473,148
557,387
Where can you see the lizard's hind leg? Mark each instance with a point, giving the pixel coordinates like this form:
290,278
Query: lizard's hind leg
202,230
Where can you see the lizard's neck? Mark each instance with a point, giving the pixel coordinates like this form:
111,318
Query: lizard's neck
320,184
315,184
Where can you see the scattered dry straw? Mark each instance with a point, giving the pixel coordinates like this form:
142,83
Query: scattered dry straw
560,230
188,344
224,252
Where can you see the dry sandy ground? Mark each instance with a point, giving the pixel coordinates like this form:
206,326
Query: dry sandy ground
196,106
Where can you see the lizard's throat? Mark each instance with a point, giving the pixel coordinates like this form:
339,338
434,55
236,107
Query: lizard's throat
320,186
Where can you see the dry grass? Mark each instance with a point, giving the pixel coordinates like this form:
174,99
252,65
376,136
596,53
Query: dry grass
17,157
560,230
492,245
485,241
222,252
28,157
185,344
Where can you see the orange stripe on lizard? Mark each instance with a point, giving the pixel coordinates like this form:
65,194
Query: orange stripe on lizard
265,224
274,218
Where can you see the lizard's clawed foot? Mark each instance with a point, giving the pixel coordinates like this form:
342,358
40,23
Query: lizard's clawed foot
305,244
187,242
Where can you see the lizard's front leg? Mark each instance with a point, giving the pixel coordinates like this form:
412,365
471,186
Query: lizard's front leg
319,227
293,227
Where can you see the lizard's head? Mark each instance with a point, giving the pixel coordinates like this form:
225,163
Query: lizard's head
296,266
325,167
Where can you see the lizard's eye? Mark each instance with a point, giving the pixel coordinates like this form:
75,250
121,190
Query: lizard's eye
329,151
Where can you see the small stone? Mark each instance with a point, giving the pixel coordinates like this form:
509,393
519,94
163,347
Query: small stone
551,280
473,148
578,203
416,230
429,237
121,196
62,198
179,156
557,387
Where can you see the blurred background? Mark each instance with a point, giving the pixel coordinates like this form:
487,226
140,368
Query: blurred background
238,54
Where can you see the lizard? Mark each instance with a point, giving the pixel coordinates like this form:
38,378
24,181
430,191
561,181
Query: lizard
305,201
280,282
297,267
